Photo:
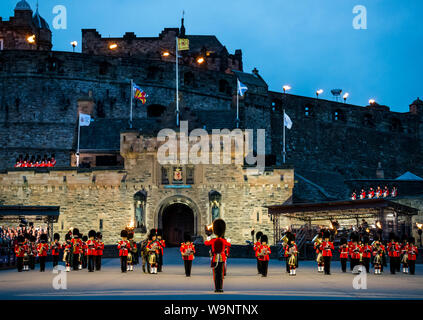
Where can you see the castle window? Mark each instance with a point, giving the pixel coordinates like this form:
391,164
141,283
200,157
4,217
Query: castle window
189,79
396,125
224,87
338,115
368,120
165,175
308,110
190,175
155,110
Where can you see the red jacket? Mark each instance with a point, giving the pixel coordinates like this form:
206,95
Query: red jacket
355,250
344,250
162,245
100,248
263,252
91,248
367,251
77,245
218,247
256,247
55,248
326,247
412,252
42,249
393,249
184,250
20,250
123,246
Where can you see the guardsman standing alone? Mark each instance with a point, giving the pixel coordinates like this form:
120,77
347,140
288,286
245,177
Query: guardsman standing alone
264,255
412,255
218,246
123,247
326,248
187,251
256,247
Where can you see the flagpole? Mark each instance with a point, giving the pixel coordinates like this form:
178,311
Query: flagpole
132,96
284,152
177,83
237,105
79,132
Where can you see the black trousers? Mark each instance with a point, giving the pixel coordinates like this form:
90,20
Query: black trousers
344,264
55,260
32,262
366,262
188,265
264,267
354,262
258,266
327,264
19,263
123,263
412,266
398,265
42,264
98,263
218,276
393,264
160,262
75,260
91,263
288,269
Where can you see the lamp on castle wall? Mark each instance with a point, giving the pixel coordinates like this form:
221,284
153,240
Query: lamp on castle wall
346,96
74,44
286,88
113,46
372,101
319,92
31,39
200,60
419,231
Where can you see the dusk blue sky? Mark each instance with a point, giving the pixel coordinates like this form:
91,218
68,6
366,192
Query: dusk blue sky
308,44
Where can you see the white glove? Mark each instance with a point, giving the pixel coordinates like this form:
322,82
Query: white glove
229,240
208,238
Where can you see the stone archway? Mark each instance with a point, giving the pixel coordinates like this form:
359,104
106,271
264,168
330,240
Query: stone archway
175,216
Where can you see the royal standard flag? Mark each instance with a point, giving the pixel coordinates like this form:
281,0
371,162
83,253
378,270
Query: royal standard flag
139,94
183,44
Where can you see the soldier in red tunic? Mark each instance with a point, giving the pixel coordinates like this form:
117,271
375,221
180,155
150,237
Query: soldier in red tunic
162,246
366,251
218,246
363,194
123,247
187,251
371,194
77,249
378,192
153,249
132,252
292,255
385,192
263,254
377,249
99,251
394,253
91,250
55,249
326,248
67,251
355,251
412,252
343,254
20,249
255,248
319,257
42,249
354,196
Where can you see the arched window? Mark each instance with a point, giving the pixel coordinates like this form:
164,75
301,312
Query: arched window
189,79
308,110
155,110
368,120
338,115
396,125
215,199
140,200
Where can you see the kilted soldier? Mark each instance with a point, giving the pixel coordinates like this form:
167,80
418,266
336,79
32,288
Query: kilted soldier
319,257
393,252
218,252
42,249
187,251
91,250
144,255
20,249
326,248
67,251
263,254
412,255
162,246
153,248
55,249
256,247
124,247
286,253
132,252
26,255
404,254
292,255
32,252
99,251
366,251
377,256
343,254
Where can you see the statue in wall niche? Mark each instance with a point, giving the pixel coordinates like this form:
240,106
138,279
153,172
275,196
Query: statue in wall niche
215,202
215,210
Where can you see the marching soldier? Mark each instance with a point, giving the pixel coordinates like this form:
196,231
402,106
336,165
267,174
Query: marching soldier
132,252
393,252
67,252
91,250
99,251
263,255
377,256
366,252
343,254
144,255
256,247
26,255
123,247
77,248
218,245
355,251
326,248
32,251
412,255
42,249
84,257
292,255
319,257
363,194
187,251
153,248
20,249
404,255
55,249
162,246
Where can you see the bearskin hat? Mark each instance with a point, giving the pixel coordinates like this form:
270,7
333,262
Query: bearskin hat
411,240
130,235
75,232
258,235
67,236
98,235
159,232
291,237
187,237
91,234
27,236
343,240
355,237
153,232
151,235
391,236
21,239
43,237
124,234
264,238
219,227
84,238
56,236
326,234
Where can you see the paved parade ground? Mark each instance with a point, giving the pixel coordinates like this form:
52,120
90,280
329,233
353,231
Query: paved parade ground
242,282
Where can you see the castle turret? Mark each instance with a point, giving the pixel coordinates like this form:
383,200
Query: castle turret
416,107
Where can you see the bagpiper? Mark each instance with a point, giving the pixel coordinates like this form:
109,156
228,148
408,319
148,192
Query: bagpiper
42,249
317,241
412,255
91,250
393,252
99,251
377,250
55,249
67,252
123,247
264,255
77,248
20,249
257,244
326,248
132,252
153,248
144,255
404,255
218,257
187,252
292,252
162,243
343,254
26,255
285,249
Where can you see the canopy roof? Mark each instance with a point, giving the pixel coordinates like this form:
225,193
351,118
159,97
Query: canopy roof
409,176
32,213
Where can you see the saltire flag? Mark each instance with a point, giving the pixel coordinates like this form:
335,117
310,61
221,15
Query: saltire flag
287,121
139,94
84,120
183,44
241,88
